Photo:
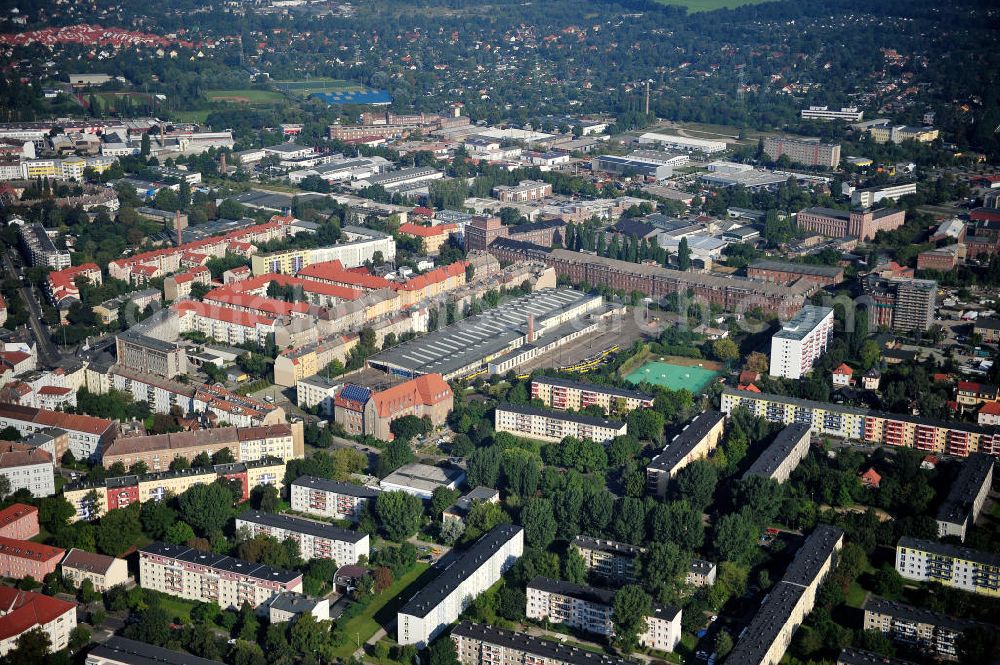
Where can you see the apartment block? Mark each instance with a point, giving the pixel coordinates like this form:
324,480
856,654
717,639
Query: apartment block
27,467
592,610
810,153
524,191
851,656
783,455
23,558
869,196
24,611
696,441
867,425
966,497
41,250
608,559
900,303
318,391
918,628
847,113
860,224
104,572
729,293
19,521
535,423
477,644
118,650
801,341
787,273
284,441
564,394
786,606
87,435
94,499
899,133
330,498
178,570
445,597
956,567
316,540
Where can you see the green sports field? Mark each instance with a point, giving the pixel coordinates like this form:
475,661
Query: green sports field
673,376
710,5
246,96
314,85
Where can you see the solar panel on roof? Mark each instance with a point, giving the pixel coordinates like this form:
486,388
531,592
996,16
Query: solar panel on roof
355,393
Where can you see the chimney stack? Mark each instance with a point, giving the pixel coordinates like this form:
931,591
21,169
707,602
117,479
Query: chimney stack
531,328
222,165
177,223
647,96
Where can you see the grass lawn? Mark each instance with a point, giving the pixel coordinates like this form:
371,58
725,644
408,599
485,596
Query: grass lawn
306,88
245,96
710,5
176,607
382,609
190,116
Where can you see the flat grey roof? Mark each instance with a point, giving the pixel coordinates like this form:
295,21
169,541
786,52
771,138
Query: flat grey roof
593,387
470,340
957,508
804,322
852,656
817,548
221,562
123,650
549,650
952,551
579,591
688,438
779,450
799,268
429,597
906,612
424,476
609,546
326,485
300,525
766,625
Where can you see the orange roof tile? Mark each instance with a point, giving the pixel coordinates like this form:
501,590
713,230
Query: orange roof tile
427,389
23,610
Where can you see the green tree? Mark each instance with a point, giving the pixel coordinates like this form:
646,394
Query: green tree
206,507
723,644
179,533
399,514
725,350
408,427
441,499
574,568
677,522
31,647
662,569
683,255
631,607
118,530
395,455
630,520
442,652
539,523
869,354
696,482
736,537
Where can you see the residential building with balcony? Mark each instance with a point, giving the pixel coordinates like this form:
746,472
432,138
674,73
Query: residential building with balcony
956,567
183,572
477,644
563,394
24,611
535,423
316,540
330,498
801,341
966,497
783,455
610,560
918,628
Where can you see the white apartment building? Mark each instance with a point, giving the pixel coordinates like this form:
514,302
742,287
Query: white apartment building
27,468
564,394
848,113
480,644
178,570
779,459
957,567
118,650
801,341
592,610
441,602
868,197
317,540
23,611
545,425
316,390
684,143
329,498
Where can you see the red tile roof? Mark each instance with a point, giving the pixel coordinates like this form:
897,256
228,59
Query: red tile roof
23,610
420,231
844,369
15,512
428,389
226,314
28,549
66,421
991,409
18,454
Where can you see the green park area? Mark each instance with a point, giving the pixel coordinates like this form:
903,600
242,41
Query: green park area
710,5
675,373
244,96
359,629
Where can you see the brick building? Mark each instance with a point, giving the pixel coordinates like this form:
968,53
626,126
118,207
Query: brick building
365,412
861,224
21,558
19,521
